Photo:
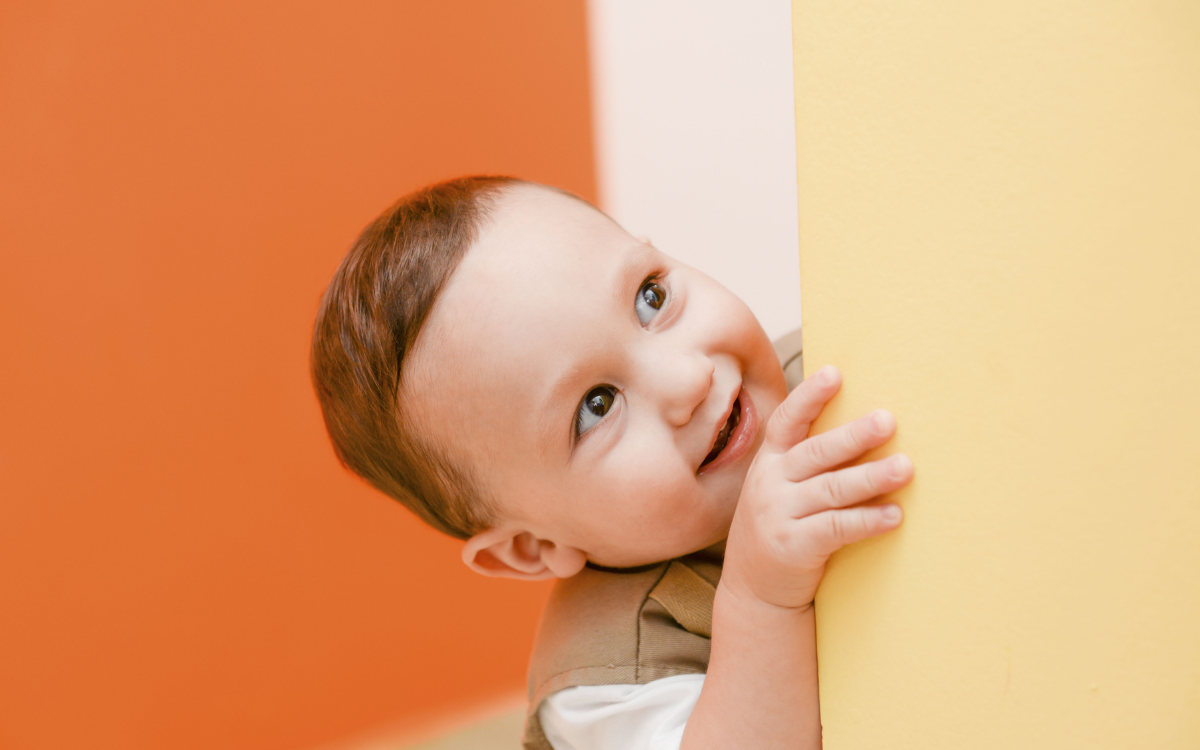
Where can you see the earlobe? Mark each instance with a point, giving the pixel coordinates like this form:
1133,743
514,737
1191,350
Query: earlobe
510,553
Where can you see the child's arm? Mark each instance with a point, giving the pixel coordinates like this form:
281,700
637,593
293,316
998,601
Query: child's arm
794,511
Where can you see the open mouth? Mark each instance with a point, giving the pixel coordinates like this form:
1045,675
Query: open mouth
723,435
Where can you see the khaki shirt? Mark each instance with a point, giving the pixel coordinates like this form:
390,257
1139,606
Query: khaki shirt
622,627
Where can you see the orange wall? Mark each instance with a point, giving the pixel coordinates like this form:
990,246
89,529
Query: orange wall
182,562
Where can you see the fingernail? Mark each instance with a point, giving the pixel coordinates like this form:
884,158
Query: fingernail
898,466
891,513
881,420
827,375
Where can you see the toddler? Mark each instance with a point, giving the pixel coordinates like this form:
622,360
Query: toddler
523,374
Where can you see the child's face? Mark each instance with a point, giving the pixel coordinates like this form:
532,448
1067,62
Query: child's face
585,377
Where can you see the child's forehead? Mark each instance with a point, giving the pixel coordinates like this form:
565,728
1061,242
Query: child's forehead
539,246
545,271
533,223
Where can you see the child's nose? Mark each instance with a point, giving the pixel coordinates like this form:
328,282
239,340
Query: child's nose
683,383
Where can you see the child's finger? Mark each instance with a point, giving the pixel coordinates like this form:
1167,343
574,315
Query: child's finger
829,531
851,486
791,420
839,445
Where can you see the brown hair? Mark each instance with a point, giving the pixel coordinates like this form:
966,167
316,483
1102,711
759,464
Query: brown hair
369,319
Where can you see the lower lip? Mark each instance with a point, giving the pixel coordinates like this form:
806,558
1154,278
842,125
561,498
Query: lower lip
742,437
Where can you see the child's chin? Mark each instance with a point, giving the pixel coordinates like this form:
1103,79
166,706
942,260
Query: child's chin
713,537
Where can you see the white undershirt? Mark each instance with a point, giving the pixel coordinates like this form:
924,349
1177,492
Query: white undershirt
621,717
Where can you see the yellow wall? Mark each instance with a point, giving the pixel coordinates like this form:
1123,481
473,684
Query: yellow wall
1000,240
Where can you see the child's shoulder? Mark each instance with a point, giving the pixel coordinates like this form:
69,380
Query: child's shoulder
626,626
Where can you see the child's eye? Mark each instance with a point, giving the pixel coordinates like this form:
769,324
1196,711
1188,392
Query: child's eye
595,405
650,299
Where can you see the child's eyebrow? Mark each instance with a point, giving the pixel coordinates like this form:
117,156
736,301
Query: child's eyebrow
635,267
556,413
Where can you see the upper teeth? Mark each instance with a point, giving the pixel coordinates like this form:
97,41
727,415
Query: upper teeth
723,434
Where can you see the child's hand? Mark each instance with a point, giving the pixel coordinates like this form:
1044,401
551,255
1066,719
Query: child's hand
796,510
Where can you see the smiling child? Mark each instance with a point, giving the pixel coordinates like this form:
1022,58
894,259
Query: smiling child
523,374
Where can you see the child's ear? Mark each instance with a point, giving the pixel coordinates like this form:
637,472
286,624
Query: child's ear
513,553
